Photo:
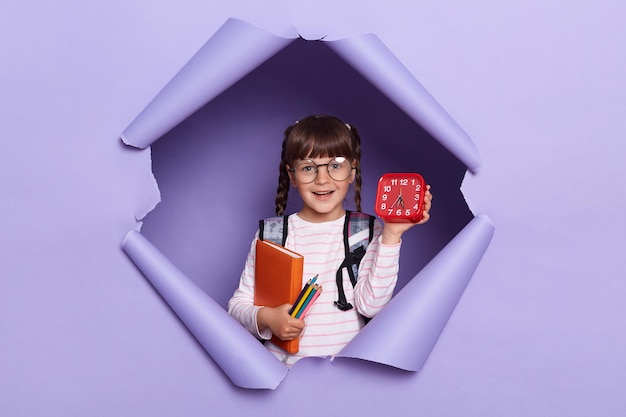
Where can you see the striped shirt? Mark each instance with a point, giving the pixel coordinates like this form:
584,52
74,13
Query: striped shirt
327,328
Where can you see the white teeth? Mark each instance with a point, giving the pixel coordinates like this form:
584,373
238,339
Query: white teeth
322,192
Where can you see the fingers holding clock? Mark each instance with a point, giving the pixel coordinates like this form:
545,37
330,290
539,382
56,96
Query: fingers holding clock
428,198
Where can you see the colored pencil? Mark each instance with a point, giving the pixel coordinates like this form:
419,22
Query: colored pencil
310,304
299,300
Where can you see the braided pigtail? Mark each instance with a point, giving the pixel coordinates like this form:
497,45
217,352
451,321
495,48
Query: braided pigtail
356,149
283,179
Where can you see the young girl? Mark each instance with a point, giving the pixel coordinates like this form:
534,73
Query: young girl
321,158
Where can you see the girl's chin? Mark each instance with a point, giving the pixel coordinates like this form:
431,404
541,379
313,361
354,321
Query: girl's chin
325,205
317,213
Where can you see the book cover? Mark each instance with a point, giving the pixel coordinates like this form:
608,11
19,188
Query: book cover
278,280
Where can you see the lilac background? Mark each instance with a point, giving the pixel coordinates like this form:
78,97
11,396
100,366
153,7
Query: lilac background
540,329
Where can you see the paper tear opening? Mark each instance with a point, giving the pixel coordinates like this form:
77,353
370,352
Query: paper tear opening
205,77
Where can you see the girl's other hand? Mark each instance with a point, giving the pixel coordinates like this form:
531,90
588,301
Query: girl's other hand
392,232
278,320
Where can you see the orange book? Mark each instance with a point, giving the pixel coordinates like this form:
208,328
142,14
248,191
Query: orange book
278,280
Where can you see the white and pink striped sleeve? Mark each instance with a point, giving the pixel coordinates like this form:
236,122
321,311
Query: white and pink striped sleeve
241,305
378,274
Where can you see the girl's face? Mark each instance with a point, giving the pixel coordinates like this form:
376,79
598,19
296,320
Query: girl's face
323,197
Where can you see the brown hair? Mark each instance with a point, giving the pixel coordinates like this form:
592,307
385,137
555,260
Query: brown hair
313,137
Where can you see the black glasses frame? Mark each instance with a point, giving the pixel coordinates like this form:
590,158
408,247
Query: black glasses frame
317,168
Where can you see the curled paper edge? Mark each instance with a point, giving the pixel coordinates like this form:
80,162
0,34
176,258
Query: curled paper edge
241,357
371,58
230,54
404,333
237,48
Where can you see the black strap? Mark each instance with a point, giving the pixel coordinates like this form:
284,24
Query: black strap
285,229
261,228
342,303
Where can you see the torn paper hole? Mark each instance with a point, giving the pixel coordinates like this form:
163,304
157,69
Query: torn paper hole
219,124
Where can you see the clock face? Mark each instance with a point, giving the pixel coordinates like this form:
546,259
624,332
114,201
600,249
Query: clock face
400,197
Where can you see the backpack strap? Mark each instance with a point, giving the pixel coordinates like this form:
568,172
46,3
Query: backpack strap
358,231
274,229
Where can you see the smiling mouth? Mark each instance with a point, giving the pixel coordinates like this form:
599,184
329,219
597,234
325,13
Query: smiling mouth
322,193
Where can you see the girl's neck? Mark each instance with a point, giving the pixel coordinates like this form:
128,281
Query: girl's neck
314,217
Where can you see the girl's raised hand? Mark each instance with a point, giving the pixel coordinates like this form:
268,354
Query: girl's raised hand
392,232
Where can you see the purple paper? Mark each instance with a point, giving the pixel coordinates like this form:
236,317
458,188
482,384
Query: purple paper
235,50
368,55
404,333
193,87
242,358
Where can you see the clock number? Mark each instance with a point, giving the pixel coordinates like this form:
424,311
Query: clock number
384,197
418,187
383,206
404,181
399,212
407,212
415,207
387,188
417,197
394,182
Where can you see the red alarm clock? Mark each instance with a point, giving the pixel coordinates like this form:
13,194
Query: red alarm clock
400,197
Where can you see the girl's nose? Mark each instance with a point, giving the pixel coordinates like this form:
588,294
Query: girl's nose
322,175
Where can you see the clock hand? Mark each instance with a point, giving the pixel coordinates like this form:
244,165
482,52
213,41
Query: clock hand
400,199
397,201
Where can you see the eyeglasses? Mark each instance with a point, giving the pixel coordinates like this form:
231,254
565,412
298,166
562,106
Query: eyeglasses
339,169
